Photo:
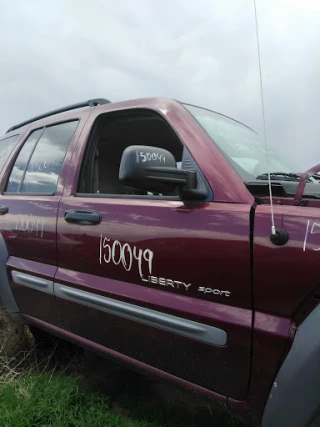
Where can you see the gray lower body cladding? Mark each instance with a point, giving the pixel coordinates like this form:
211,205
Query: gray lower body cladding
294,399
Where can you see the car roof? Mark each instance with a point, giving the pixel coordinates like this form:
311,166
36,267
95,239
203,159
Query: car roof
82,109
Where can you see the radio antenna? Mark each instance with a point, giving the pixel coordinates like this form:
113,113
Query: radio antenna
273,228
278,236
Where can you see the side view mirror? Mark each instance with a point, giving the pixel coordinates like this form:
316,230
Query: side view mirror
154,169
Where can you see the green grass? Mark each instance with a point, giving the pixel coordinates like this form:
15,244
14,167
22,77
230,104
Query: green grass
55,400
54,389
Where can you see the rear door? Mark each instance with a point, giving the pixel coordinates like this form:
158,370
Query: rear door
30,198
162,282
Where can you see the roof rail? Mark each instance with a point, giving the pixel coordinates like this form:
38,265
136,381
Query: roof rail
89,103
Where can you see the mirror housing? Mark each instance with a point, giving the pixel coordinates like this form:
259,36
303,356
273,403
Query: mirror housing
154,169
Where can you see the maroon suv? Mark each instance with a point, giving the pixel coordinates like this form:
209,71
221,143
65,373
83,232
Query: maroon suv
142,230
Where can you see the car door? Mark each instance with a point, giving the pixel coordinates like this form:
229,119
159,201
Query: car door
150,277
30,197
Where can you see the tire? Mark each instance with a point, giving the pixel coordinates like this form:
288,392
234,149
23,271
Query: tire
13,336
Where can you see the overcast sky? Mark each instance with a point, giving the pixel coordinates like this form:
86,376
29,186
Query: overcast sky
53,53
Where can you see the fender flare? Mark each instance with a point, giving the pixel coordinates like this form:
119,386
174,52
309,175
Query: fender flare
6,295
294,398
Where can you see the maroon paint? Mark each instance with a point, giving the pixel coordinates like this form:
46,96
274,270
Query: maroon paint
29,229
284,276
218,234
171,228
282,288
20,231
204,310
228,187
179,356
272,337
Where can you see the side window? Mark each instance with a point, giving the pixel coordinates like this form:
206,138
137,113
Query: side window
39,162
111,136
21,162
6,145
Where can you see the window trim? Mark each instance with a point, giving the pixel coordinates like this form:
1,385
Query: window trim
29,159
127,196
11,136
13,161
28,194
17,136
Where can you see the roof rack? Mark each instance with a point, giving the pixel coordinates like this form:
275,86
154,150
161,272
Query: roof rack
89,103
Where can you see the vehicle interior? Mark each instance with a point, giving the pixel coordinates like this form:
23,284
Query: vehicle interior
111,135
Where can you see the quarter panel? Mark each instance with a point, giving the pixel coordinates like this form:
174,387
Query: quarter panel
286,275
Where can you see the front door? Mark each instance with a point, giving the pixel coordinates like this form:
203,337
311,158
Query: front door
162,282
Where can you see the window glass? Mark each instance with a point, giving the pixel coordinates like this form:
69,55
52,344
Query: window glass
45,165
244,147
39,162
21,162
6,146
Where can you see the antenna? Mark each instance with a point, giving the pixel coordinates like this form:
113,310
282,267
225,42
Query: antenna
273,228
278,236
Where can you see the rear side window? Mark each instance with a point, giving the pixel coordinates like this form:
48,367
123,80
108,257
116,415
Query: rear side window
6,145
21,163
38,165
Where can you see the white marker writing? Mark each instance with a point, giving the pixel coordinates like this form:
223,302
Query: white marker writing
145,156
30,223
306,236
315,229
117,253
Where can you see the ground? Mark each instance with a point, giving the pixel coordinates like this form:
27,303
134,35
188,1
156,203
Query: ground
62,385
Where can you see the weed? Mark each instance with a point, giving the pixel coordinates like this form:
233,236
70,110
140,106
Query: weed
62,386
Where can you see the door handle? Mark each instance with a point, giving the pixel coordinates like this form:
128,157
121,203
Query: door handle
82,217
3,209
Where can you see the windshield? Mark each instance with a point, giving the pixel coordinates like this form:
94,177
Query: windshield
242,147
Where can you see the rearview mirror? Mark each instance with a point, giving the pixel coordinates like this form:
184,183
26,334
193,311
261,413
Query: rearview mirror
154,169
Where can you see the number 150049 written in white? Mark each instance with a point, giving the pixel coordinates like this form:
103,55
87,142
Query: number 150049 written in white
312,228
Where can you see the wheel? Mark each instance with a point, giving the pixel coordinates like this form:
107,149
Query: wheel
13,337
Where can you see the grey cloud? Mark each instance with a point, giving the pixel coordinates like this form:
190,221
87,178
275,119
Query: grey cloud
202,52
